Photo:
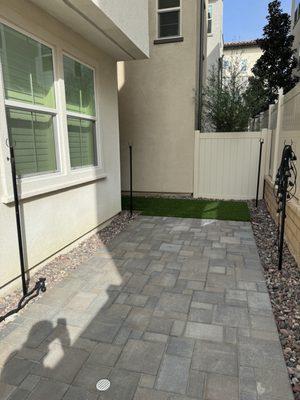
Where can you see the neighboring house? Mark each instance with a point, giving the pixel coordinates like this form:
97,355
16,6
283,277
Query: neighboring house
215,39
160,99
59,108
296,31
245,52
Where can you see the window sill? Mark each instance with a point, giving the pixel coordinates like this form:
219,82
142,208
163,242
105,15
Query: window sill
169,40
47,184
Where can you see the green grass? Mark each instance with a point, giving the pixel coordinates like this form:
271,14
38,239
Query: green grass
202,209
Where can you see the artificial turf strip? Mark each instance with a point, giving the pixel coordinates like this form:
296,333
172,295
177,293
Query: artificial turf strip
182,208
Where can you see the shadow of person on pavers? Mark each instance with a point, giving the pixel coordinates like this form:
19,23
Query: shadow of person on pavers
22,370
128,310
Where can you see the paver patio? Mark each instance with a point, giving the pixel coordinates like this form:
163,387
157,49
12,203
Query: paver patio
172,309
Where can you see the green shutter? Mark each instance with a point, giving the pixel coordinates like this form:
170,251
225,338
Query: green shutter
81,142
27,69
79,85
32,136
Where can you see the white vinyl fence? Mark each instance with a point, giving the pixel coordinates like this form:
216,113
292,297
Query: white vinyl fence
284,127
226,164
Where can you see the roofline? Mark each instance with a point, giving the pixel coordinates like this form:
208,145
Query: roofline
246,43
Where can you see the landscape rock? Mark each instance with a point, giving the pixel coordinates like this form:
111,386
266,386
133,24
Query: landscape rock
283,286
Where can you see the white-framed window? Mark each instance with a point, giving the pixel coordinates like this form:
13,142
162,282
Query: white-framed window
168,18
210,19
30,101
79,82
50,116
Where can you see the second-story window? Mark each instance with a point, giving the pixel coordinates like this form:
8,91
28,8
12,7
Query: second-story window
169,18
210,19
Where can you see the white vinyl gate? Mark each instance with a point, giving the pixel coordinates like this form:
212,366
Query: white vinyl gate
226,164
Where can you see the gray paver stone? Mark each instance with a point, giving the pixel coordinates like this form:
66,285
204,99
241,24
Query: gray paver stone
174,302
220,358
174,374
182,347
141,356
204,331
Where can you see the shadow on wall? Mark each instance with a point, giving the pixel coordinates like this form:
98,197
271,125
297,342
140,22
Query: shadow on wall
127,124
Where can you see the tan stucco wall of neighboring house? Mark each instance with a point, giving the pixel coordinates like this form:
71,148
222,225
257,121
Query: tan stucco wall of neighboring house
296,32
215,38
157,109
56,218
247,52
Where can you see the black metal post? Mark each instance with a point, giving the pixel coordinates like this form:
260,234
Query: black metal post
282,223
130,169
261,142
18,220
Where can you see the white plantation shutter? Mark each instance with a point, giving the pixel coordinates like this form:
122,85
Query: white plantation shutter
32,136
28,77
80,99
81,142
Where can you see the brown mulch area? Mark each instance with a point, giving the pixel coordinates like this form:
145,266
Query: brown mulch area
63,264
284,289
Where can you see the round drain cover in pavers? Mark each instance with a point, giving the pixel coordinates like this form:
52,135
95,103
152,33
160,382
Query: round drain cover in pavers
103,385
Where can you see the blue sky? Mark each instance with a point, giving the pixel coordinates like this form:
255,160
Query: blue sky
245,19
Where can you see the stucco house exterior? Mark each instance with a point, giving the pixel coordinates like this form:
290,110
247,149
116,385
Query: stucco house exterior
215,40
160,99
59,108
247,52
295,14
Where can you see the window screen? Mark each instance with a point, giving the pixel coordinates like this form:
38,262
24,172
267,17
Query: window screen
169,24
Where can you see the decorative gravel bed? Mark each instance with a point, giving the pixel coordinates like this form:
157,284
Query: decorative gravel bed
284,289
60,266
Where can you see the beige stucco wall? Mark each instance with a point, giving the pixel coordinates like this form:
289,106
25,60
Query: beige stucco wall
215,39
54,220
248,54
157,110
